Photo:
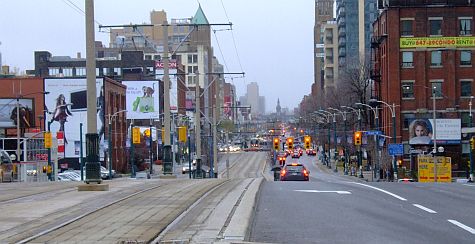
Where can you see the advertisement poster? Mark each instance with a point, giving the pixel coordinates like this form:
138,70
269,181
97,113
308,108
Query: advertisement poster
142,99
190,100
173,82
8,111
66,105
421,131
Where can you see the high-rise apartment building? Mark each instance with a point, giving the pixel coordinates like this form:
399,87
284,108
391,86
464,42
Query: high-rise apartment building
355,20
330,65
323,13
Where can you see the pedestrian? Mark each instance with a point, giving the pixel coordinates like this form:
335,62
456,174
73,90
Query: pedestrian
388,176
391,172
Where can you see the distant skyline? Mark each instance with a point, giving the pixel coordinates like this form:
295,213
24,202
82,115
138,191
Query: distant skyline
273,38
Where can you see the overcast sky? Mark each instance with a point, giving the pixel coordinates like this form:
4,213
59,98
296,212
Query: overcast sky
274,38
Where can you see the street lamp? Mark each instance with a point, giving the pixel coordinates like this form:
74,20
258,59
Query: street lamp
360,164
343,114
471,156
18,132
393,115
111,117
376,137
334,135
327,117
434,151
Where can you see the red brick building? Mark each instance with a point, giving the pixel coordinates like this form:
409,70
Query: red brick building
422,48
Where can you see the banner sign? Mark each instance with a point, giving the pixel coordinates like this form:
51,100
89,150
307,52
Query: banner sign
436,42
60,137
142,99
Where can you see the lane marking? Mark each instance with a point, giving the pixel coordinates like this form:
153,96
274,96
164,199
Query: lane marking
424,208
316,191
381,190
469,184
469,229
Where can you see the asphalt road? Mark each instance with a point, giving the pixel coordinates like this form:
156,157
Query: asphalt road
332,208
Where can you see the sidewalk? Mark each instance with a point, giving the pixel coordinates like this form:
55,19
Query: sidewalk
341,172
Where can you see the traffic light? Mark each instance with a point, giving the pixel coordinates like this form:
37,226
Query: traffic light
472,143
136,135
399,163
307,141
290,143
358,138
276,144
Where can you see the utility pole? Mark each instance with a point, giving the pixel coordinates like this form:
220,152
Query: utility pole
92,138
198,127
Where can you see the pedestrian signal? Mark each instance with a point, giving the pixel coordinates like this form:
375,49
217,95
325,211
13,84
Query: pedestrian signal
307,141
276,144
290,143
358,138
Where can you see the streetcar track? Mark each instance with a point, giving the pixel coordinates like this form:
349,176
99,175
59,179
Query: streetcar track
42,233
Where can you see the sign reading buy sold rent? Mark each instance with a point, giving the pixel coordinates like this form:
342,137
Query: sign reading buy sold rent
436,42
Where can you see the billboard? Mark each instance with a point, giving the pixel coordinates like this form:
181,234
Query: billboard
426,169
8,111
437,42
447,131
66,105
142,99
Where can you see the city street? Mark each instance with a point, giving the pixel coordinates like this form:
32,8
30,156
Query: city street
332,208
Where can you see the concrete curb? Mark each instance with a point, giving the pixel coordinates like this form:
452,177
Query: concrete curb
242,217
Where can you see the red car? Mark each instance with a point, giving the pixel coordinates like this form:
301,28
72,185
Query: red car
311,152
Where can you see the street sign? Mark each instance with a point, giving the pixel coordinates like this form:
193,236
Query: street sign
136,135
426,169
396,149
373,132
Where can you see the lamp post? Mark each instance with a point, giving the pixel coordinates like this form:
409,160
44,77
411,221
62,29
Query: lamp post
360,164
471,156
393,116
111,117
329,142
343,114
334,135
376,137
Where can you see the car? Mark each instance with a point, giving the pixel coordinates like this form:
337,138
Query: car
186,168
296,154
281,157
294,172
105,173
311,152
69,175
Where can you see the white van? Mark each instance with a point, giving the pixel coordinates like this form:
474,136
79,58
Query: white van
6,167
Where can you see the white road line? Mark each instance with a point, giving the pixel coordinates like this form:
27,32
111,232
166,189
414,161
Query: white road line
316,191
469,229
381,190
469,184
424,208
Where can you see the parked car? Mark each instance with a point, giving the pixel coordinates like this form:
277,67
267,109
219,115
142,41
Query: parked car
6,167
186,168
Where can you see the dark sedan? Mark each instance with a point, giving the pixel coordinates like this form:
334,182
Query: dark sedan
294,172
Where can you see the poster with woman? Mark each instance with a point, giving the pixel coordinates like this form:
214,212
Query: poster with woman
420,132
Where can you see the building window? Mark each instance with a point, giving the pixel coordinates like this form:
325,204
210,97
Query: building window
436,58
117,71
67,72
408,118
192,69
80,71
407,90
436,87
148,57
407,59
435,27
465,88
98,72
53,71
192,58
406,28
465,26
465,57
157,57
191,79
465,119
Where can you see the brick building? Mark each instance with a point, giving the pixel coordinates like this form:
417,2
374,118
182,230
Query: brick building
423,52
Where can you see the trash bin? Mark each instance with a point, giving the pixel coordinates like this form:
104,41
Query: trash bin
276,170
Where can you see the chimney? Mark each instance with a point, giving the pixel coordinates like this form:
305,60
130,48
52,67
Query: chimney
5,69
78,55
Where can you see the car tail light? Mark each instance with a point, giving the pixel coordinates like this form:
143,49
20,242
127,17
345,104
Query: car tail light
305,172
282,173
